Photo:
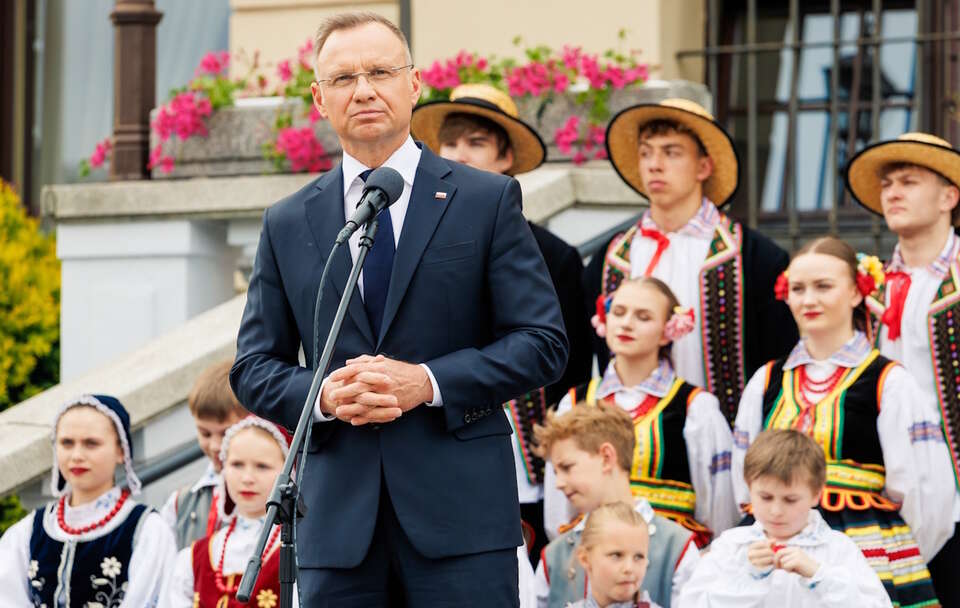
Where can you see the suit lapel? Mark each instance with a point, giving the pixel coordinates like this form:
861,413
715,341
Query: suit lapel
324,213
423,215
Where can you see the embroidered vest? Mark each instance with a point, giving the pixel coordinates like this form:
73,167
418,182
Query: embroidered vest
524,412
92,572
193,514
943,327
721,307
661,470
568,581
266,593
844,425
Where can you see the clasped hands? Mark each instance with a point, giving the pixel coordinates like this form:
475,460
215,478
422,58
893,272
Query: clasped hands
374,389
766,554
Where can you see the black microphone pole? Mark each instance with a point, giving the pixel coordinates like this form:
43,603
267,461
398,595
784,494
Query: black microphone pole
284,505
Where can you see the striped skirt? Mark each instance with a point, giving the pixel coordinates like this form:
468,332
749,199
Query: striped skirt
890,549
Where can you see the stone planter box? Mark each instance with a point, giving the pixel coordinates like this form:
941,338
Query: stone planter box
237,134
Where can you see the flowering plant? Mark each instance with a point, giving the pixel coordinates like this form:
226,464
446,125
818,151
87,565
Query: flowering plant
545,74
870,273
782,287
599,319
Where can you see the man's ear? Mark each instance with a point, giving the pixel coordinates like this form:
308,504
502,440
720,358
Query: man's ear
704,168
317,93
950,197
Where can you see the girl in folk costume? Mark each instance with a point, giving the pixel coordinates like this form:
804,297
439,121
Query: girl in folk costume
94,545
207,574
681,463
679,158
614,552
889,484
913,181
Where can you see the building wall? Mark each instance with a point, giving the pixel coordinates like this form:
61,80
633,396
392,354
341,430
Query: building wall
277,28
441,28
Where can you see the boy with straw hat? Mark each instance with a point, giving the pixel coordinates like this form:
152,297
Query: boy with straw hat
479,126
914,182
677,156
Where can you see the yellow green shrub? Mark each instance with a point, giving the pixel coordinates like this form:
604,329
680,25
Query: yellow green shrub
29,303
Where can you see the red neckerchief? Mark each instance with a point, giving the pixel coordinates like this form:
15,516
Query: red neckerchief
662,243
898,284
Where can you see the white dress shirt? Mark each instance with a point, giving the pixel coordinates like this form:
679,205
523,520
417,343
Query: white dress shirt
405,160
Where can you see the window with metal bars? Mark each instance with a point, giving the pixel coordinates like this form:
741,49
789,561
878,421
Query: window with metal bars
802,85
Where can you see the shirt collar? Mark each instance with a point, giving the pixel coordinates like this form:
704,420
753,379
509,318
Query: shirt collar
851,354
657,384
701,225
811,535
210,478
404,159
939,267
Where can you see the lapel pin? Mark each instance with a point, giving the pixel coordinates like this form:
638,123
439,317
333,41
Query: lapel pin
440,196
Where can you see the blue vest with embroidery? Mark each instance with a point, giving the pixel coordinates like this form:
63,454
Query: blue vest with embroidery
94,571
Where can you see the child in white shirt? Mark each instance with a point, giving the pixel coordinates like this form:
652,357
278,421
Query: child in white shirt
790,557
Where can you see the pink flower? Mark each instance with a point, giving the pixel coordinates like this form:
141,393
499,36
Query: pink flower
482,64
579,158
571,57
158,159
560,82
568,134
305,55
681,323
213,64
601,154
314,115
100,153
182,116
284,72
302,149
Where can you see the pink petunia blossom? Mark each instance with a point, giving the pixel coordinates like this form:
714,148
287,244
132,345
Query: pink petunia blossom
305,55
214,63
284,72
314,115
100,153
159,159
302,149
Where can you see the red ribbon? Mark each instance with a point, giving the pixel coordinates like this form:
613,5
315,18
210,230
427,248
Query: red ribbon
662,243
898,284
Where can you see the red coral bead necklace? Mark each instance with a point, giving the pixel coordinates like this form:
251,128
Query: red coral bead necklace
62,521
218,578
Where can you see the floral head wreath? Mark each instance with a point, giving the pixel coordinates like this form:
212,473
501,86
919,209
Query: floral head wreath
870,276
680,323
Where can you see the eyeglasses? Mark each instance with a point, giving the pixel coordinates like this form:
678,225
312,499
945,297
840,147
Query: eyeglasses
343,81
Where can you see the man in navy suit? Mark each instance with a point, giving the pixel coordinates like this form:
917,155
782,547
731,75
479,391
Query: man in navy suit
409,481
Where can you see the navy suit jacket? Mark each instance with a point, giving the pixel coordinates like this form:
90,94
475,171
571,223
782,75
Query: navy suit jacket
469,296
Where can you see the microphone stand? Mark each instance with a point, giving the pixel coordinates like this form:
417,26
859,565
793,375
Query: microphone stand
285,506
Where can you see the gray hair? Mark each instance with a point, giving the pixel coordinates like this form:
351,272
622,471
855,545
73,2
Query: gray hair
348,21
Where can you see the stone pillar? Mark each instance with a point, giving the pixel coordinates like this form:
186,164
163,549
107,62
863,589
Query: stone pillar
124,283
134,86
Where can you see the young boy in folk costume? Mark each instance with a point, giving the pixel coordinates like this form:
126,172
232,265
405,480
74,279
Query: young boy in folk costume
191,511
479,126
591,448
913,181
207,573
889,485
681,464
789,557
93,545
677,156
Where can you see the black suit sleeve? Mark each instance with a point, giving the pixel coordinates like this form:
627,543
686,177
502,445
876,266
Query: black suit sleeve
769,329
592,284
529,347
566,268
266,376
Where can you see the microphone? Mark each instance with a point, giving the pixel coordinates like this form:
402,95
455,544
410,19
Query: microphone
382,189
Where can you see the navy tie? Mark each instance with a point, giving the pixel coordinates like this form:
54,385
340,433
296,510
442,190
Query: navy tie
377,269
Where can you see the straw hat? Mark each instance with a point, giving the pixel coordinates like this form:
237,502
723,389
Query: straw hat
491,103
623,145
921,149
